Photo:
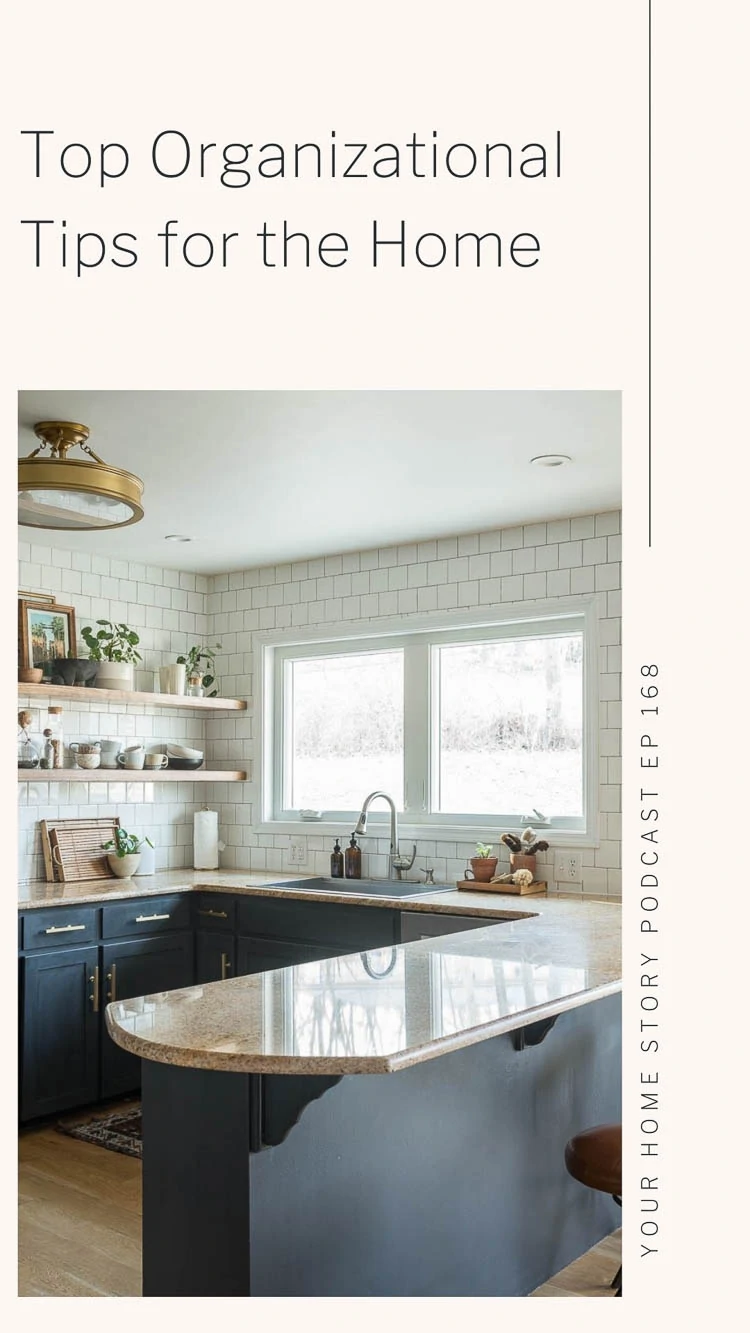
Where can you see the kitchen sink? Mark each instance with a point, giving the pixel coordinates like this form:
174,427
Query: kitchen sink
362,888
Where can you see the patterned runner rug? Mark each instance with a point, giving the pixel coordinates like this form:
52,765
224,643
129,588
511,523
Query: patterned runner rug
120,1132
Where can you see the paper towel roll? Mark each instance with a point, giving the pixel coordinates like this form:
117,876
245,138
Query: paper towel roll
206,840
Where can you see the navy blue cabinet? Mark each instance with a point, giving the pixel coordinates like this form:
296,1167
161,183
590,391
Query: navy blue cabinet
139,967
75,961
60,1033
215,958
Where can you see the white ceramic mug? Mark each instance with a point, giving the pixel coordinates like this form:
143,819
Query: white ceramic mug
110,750
156,761
132,758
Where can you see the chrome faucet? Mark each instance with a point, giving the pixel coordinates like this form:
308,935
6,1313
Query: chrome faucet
397,861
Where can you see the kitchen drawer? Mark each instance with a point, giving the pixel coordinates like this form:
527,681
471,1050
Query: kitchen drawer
214,911
60,927
324,923
145,916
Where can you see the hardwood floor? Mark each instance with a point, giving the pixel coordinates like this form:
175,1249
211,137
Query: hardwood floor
590,1275
79,1218
80,1225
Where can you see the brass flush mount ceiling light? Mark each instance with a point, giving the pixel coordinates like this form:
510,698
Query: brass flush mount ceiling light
72,493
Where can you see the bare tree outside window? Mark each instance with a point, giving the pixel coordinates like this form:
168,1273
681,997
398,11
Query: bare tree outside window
511,726
347,729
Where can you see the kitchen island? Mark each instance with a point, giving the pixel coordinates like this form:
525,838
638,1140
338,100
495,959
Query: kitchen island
388,1122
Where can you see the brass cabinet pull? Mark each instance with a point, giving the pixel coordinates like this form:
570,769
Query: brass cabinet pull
226,966
209,911
156,916
61,930
112,979
94,996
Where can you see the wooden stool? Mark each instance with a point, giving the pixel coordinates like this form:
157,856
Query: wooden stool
595,1158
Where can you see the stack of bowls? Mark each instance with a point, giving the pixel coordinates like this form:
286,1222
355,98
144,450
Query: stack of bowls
180,756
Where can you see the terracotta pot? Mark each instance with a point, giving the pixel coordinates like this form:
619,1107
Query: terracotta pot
519,861
483,868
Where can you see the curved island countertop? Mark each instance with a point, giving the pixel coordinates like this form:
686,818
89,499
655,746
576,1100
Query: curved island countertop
388,1009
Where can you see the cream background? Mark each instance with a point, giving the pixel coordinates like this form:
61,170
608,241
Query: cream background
579,319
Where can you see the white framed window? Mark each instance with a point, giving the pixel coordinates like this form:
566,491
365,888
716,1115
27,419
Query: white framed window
470,723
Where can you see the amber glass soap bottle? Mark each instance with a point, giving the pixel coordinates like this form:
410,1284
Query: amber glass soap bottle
337,861
353,857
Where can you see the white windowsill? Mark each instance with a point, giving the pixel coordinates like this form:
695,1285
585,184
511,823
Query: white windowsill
380,828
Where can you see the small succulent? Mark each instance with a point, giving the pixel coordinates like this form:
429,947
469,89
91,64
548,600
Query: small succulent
484,850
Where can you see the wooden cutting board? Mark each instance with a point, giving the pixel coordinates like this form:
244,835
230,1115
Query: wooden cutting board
73,848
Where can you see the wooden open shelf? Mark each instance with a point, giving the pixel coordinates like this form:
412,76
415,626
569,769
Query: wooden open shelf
89,694
131,775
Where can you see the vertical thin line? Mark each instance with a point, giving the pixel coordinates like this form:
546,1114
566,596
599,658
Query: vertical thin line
648,338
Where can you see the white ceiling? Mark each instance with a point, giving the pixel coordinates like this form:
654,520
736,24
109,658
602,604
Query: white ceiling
260,477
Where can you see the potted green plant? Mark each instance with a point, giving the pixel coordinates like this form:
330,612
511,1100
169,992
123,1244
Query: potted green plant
114,647
199,678
484,864
123,853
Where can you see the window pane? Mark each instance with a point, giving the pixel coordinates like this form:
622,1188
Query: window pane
511,727
347,729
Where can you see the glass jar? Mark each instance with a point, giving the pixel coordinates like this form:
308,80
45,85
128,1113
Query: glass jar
54,750
28,752
195,685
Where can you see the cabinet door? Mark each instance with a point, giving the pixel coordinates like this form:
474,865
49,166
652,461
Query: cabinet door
214,956
262,955
139,967
60,1036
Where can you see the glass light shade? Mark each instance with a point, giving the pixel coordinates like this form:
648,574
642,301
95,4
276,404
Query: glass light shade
75,495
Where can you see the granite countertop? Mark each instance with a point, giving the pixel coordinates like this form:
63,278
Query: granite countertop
270,883
381,1011
39,893
374,1012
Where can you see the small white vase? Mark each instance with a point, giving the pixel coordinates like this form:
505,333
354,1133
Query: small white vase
172,678
124,866
148,860
115,676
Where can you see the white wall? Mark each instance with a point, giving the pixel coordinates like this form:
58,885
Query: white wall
171,610
556,560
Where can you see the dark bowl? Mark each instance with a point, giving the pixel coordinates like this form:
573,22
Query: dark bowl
71,671
184,763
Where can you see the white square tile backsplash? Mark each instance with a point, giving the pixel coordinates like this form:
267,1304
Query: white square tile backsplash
169,611
173,609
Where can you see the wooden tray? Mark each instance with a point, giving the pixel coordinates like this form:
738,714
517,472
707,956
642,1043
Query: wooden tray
537,886
73,848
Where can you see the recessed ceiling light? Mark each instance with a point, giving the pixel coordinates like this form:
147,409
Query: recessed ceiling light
176,537
551,460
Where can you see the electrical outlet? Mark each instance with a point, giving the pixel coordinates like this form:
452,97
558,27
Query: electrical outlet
297,852
568,867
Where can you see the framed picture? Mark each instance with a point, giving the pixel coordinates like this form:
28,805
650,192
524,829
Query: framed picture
45,631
